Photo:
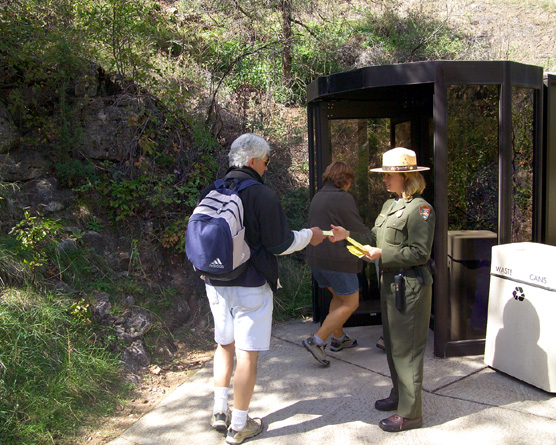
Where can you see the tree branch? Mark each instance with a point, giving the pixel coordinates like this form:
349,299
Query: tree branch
228,70
303,25
427,39
240,9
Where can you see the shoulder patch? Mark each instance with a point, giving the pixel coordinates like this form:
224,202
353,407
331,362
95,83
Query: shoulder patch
425,212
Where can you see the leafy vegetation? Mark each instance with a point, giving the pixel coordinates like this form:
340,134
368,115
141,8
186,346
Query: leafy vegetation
294,299
36,235
185,54
190,76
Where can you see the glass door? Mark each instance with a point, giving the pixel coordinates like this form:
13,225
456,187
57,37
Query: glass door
473,190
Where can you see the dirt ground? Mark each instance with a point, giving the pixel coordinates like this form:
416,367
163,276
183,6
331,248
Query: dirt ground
194,349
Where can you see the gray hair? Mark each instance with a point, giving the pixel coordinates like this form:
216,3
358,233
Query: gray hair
245,147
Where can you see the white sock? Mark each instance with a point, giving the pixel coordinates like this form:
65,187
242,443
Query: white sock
239,419
220,400
340,339
318,341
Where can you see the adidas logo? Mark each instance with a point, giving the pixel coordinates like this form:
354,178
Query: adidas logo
216,264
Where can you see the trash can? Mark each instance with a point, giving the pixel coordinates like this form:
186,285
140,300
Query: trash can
468,268
521,330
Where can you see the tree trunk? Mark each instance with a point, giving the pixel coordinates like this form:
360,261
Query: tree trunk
286,8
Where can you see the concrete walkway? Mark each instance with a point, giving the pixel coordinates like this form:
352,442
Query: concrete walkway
301,402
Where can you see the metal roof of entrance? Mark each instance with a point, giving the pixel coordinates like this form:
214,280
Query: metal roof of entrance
376,82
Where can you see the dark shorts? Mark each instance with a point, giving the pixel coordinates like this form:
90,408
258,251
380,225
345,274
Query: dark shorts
341,283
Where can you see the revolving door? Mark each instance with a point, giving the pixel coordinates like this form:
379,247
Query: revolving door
478,126
358,134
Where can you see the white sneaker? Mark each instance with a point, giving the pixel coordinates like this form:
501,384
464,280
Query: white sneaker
221,421
251,429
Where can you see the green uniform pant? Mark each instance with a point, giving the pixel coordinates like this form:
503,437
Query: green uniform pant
405,339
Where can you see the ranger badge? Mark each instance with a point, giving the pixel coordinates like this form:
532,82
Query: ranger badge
425,212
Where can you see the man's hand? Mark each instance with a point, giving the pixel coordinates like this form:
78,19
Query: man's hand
318,237
339,233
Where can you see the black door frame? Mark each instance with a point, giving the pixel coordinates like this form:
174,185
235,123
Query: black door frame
368,92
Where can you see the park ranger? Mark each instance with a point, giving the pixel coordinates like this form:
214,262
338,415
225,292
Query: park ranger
402,239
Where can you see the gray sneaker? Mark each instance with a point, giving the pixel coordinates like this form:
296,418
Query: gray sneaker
221,421
316,350
347,342
251,428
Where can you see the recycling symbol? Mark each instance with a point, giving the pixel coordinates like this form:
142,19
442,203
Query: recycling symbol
518,294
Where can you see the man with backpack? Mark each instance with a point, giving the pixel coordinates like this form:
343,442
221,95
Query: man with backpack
242,306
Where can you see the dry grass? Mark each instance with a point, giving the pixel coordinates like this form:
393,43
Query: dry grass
518,30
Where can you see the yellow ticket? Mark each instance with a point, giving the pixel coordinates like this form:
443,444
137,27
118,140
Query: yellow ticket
327,232
358,253
355,251
358,245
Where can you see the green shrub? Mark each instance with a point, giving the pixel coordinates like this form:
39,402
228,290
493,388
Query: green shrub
37,236
296,207
53,378
294,298
410,37
75,172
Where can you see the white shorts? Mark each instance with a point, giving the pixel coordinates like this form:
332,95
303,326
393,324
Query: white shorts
243,315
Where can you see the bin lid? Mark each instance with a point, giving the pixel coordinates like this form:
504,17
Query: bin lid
531,263
465,245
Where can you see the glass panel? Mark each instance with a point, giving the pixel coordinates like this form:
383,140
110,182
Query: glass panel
403,135
550,160
473,157
422,145
472,204
360,144
522,164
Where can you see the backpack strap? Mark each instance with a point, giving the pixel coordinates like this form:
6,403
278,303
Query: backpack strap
225,183
234,184
247,183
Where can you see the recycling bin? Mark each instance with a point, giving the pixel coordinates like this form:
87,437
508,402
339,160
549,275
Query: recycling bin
468,268
522,303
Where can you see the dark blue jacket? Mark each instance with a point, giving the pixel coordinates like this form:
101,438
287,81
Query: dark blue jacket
266,228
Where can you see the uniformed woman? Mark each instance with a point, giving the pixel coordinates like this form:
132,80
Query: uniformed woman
402,238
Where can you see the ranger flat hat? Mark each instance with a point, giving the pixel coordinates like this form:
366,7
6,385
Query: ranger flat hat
399,160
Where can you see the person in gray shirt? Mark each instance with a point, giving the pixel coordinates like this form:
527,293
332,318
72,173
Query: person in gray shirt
332,265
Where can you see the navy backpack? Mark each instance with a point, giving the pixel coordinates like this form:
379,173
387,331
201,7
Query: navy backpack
215,238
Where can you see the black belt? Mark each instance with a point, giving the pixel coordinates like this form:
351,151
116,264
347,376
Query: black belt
430,265
398,269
